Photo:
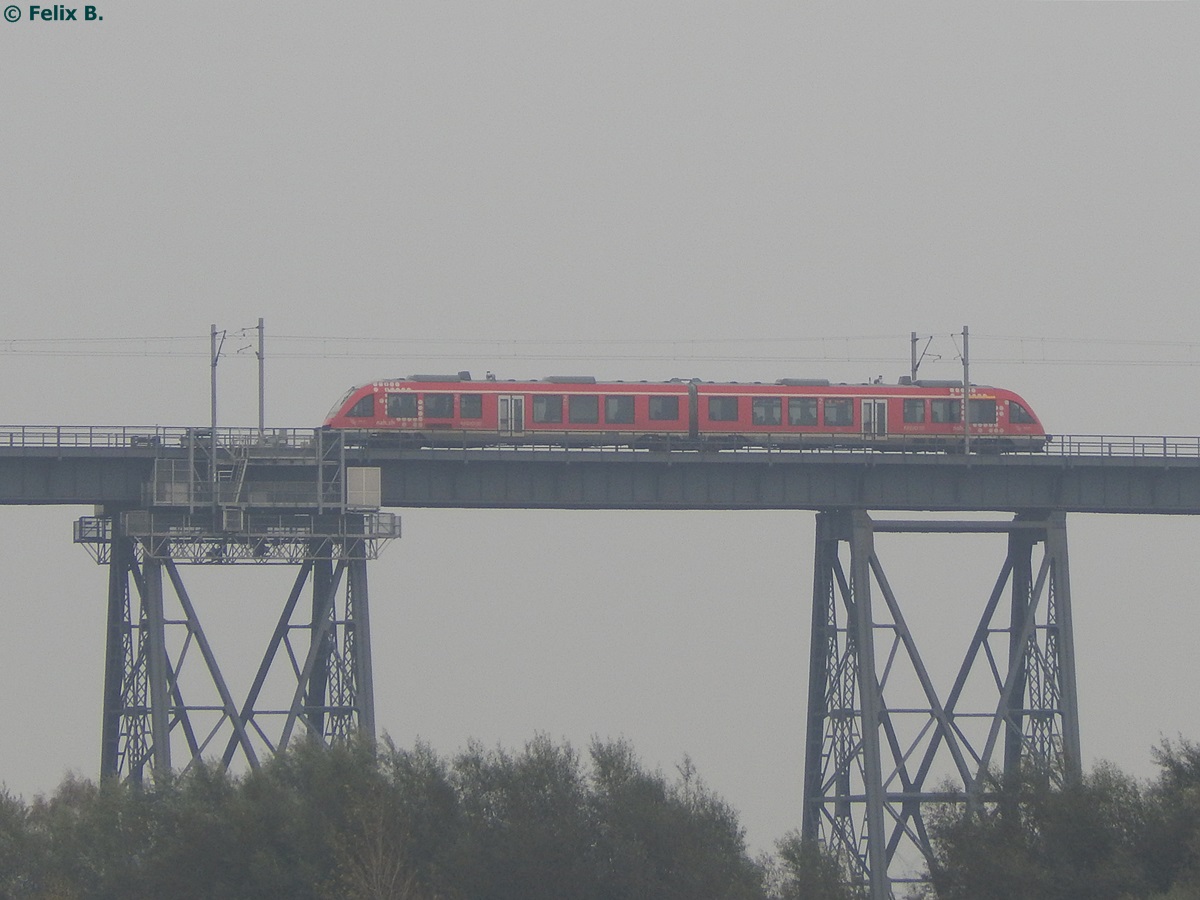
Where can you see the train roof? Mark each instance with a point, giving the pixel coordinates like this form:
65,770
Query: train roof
465,376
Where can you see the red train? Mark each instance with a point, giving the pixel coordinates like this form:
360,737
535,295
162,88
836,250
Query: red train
454,410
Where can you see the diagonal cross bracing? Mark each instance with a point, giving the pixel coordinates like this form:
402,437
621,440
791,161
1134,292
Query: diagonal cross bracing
886,742
153,633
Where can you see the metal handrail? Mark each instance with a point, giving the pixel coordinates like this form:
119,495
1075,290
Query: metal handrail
143,438
122,436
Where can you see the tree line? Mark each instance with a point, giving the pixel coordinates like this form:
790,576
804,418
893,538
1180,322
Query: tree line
1109,837
354,822
550,823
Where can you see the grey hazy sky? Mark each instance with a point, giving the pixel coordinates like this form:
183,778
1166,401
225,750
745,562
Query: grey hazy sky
548,172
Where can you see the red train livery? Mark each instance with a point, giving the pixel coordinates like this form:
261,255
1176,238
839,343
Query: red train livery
454,410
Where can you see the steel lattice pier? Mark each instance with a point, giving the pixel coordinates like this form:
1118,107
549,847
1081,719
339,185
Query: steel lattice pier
164,709
152,710
880,731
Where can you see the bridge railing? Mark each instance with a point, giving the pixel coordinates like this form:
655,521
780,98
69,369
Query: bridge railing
1125,446
142,438
115,437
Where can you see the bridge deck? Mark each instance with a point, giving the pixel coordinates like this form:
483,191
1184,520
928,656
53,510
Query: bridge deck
84,465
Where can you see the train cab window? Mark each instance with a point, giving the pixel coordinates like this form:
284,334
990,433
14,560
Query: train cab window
945,412
1019,415
470,406
364,408
722,409
664,409
802,411
914,411
766,410
402,406
983,412
618,410
439,406
547,408
839,411
583,409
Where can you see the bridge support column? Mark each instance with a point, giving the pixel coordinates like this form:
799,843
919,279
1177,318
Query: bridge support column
334,698
155,635
124,733
879,728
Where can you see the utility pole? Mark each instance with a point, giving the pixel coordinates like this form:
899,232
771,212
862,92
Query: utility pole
212,464
261,382
212,361
966,359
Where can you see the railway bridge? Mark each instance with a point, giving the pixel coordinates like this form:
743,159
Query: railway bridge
880,731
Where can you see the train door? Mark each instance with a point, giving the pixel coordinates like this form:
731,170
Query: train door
874,418
512,414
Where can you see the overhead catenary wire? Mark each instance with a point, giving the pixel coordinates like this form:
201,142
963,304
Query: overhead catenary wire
1021,350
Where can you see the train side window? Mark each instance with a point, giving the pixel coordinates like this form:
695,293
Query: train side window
722,409
766,410
439,406
914,411
839,411
1019,415
945,412
402,406
583,409
470,406
664,409
547,408
618,410
802,411
364,408
983,412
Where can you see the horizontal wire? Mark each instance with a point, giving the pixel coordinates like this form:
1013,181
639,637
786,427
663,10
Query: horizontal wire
1035,351
464,359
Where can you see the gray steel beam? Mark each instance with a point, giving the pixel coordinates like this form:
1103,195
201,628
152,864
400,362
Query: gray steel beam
822,655
156,669
358,629
78,478
310,700
1020,552
871,712
681,480
595,479
117,651
1064,649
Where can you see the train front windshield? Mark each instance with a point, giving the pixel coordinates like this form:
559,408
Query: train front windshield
337,407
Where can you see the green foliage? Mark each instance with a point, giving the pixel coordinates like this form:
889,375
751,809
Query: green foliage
92,841
380,823
362,822
523,821
1106,838
809,874
1171,843
661,839
22,851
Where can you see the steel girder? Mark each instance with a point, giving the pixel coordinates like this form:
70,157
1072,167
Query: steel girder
153,636
880,732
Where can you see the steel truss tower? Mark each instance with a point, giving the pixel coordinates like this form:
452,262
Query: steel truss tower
167,702
157,697
884,743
